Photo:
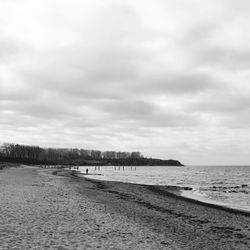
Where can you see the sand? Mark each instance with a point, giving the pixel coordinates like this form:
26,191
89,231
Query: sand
41,210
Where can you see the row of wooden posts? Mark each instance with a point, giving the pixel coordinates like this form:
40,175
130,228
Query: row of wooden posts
59,166
119,168
97,168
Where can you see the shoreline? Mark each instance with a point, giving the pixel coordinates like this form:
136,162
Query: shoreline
177,191
208,204
207,220
57,209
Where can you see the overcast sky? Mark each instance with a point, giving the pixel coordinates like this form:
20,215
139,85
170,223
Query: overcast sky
167,78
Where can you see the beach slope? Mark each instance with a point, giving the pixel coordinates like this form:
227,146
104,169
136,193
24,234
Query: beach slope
48,209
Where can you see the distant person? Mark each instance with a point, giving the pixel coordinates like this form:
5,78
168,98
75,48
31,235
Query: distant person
87,171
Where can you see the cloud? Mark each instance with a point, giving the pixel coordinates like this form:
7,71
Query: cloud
227,58
180,83
166,77
8,49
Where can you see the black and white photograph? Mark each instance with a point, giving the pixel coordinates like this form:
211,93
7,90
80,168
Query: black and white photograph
124,124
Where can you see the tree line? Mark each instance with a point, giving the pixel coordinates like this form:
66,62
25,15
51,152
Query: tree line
28,154
61,155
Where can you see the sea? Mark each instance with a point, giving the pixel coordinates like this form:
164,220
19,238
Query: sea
222,185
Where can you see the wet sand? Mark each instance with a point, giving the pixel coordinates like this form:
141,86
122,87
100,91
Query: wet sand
42,210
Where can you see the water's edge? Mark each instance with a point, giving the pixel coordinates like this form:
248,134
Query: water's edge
177,192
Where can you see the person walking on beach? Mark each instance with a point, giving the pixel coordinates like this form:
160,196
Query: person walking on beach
87,171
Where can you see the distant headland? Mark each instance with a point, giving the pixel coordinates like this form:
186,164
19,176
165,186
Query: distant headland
28,154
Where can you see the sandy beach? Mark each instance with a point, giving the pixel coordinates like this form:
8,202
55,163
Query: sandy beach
56,209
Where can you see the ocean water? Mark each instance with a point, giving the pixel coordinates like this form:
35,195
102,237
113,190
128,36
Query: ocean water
222,185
